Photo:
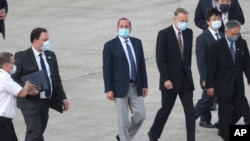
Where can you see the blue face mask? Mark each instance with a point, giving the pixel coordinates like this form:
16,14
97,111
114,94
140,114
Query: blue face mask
224,7
232,38
181,25
216,24
123,32
13,70
45,45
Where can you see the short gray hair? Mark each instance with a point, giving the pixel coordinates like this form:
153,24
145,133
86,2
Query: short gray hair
180,10
232,24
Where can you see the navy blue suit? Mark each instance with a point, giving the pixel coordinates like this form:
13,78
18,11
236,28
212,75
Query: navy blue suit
116,67
235,12
203,43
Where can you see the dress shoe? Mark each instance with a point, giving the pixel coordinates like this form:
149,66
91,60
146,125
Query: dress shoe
219,132
216,124
117,137
151,138
206,124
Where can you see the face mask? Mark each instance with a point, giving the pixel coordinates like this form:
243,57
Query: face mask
123,32
45,46
232,38
181,25
13,70
216,24
224,7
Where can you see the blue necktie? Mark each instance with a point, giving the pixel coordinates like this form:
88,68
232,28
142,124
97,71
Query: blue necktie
47,92
232,51
132,62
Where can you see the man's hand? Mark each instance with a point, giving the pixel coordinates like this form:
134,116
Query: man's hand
65,105
210,92
31,88
168,84
2,14
110,95
144,92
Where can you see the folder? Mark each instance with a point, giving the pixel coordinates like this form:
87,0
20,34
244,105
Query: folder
38,78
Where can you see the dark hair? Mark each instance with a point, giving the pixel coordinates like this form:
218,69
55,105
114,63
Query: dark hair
126,19
210,12
5,58
232,24
35,33
180,10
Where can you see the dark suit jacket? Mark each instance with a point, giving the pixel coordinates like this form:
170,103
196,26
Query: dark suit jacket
169,61
116,67
3,5
222,74
26,64
203,43
235,12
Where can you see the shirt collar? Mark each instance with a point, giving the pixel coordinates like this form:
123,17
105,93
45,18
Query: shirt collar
123,40
4,72
212,31
176,30
36,52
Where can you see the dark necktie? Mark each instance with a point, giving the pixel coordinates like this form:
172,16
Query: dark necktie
232,51
47,92
180,44
217,36
132,62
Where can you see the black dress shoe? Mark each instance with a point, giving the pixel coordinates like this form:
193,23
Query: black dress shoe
117,137
206,124
216,124
151,138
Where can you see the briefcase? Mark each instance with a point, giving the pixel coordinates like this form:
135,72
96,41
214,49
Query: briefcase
38,78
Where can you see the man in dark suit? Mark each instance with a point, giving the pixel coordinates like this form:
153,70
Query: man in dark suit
228,58
125,79
173,57
233,11
3,13
35,108
203,44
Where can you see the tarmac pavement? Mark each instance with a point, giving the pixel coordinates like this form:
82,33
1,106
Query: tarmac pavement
78,30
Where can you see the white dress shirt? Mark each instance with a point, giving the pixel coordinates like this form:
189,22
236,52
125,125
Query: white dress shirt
126,51
9,89
36,53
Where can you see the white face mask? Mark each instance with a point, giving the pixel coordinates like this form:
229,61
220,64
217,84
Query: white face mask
182,25
216,24
45,45
13,70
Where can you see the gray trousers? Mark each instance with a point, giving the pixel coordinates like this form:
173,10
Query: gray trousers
128,128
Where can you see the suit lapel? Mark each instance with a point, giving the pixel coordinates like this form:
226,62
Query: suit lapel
227,50
32,58
120,47
175,42
134,44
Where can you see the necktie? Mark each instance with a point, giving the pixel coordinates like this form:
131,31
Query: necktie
47,92
180,44
232,51
217,36
132,62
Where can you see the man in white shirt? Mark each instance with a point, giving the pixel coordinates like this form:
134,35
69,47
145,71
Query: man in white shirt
9,89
